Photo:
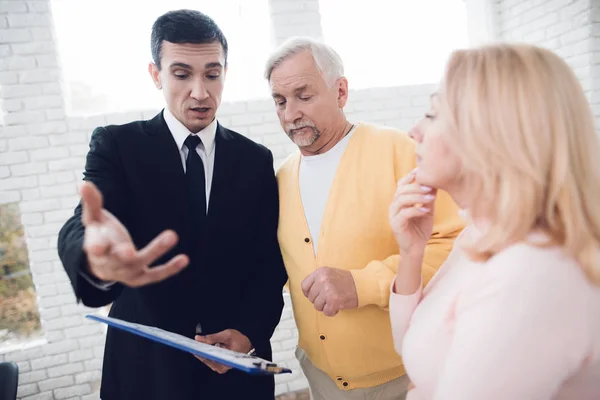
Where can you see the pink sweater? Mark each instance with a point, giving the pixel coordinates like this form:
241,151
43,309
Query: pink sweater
525,325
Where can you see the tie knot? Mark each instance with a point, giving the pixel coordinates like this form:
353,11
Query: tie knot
192,141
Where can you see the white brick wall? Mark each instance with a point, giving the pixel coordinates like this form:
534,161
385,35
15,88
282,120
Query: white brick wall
42,156
31,146
295,18
568,27
482,20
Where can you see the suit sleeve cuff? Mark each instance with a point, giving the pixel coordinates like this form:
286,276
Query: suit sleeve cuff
98,284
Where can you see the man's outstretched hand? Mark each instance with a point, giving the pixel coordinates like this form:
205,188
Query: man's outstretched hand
111,254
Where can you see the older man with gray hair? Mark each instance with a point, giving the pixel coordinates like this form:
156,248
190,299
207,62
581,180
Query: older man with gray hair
338,247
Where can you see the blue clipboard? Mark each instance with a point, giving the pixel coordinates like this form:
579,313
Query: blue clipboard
244,362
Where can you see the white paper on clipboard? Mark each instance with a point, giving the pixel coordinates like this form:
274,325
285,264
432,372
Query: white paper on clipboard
250,364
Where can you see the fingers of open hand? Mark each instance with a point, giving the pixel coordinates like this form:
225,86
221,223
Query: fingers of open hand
125,253
100,247
91,201
158,247
102,236
96,241
122,262
148,275
135,274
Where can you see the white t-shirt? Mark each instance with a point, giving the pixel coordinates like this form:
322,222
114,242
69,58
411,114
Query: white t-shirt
315,179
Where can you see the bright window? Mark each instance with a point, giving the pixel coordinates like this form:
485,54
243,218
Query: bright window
19,316
393,43
104,48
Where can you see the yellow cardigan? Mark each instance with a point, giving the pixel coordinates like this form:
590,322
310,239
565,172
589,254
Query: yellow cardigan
355,347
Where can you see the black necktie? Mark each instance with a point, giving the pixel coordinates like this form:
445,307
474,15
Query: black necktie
196,181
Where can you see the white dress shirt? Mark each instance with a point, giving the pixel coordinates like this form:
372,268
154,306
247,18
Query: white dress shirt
206,151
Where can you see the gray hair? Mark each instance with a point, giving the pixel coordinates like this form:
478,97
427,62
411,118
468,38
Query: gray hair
326,58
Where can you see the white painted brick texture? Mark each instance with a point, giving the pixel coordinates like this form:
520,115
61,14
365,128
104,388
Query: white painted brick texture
295,18
38,170
571,28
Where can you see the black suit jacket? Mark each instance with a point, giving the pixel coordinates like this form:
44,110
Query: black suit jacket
236,273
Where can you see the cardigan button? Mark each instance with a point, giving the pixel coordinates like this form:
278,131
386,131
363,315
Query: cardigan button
345,384
307,240
322,337
339,378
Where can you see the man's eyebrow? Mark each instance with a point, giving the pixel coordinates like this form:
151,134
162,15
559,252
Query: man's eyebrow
181,65
299,89
214,64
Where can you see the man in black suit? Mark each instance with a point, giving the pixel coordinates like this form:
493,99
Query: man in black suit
177,228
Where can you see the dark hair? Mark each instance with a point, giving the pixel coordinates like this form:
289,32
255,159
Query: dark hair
184,26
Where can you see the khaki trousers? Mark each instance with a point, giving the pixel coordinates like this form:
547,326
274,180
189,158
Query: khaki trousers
323,388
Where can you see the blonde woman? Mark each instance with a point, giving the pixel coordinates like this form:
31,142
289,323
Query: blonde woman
514,313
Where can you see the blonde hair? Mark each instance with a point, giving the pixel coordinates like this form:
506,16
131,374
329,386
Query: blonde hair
525,135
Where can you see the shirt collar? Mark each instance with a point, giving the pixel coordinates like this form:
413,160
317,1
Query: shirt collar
180,132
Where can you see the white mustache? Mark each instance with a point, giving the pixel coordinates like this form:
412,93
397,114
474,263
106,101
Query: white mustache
293,127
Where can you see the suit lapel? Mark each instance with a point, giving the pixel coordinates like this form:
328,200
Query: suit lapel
224,171
166,166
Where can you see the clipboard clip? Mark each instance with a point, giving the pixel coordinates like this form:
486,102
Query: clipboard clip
270,367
